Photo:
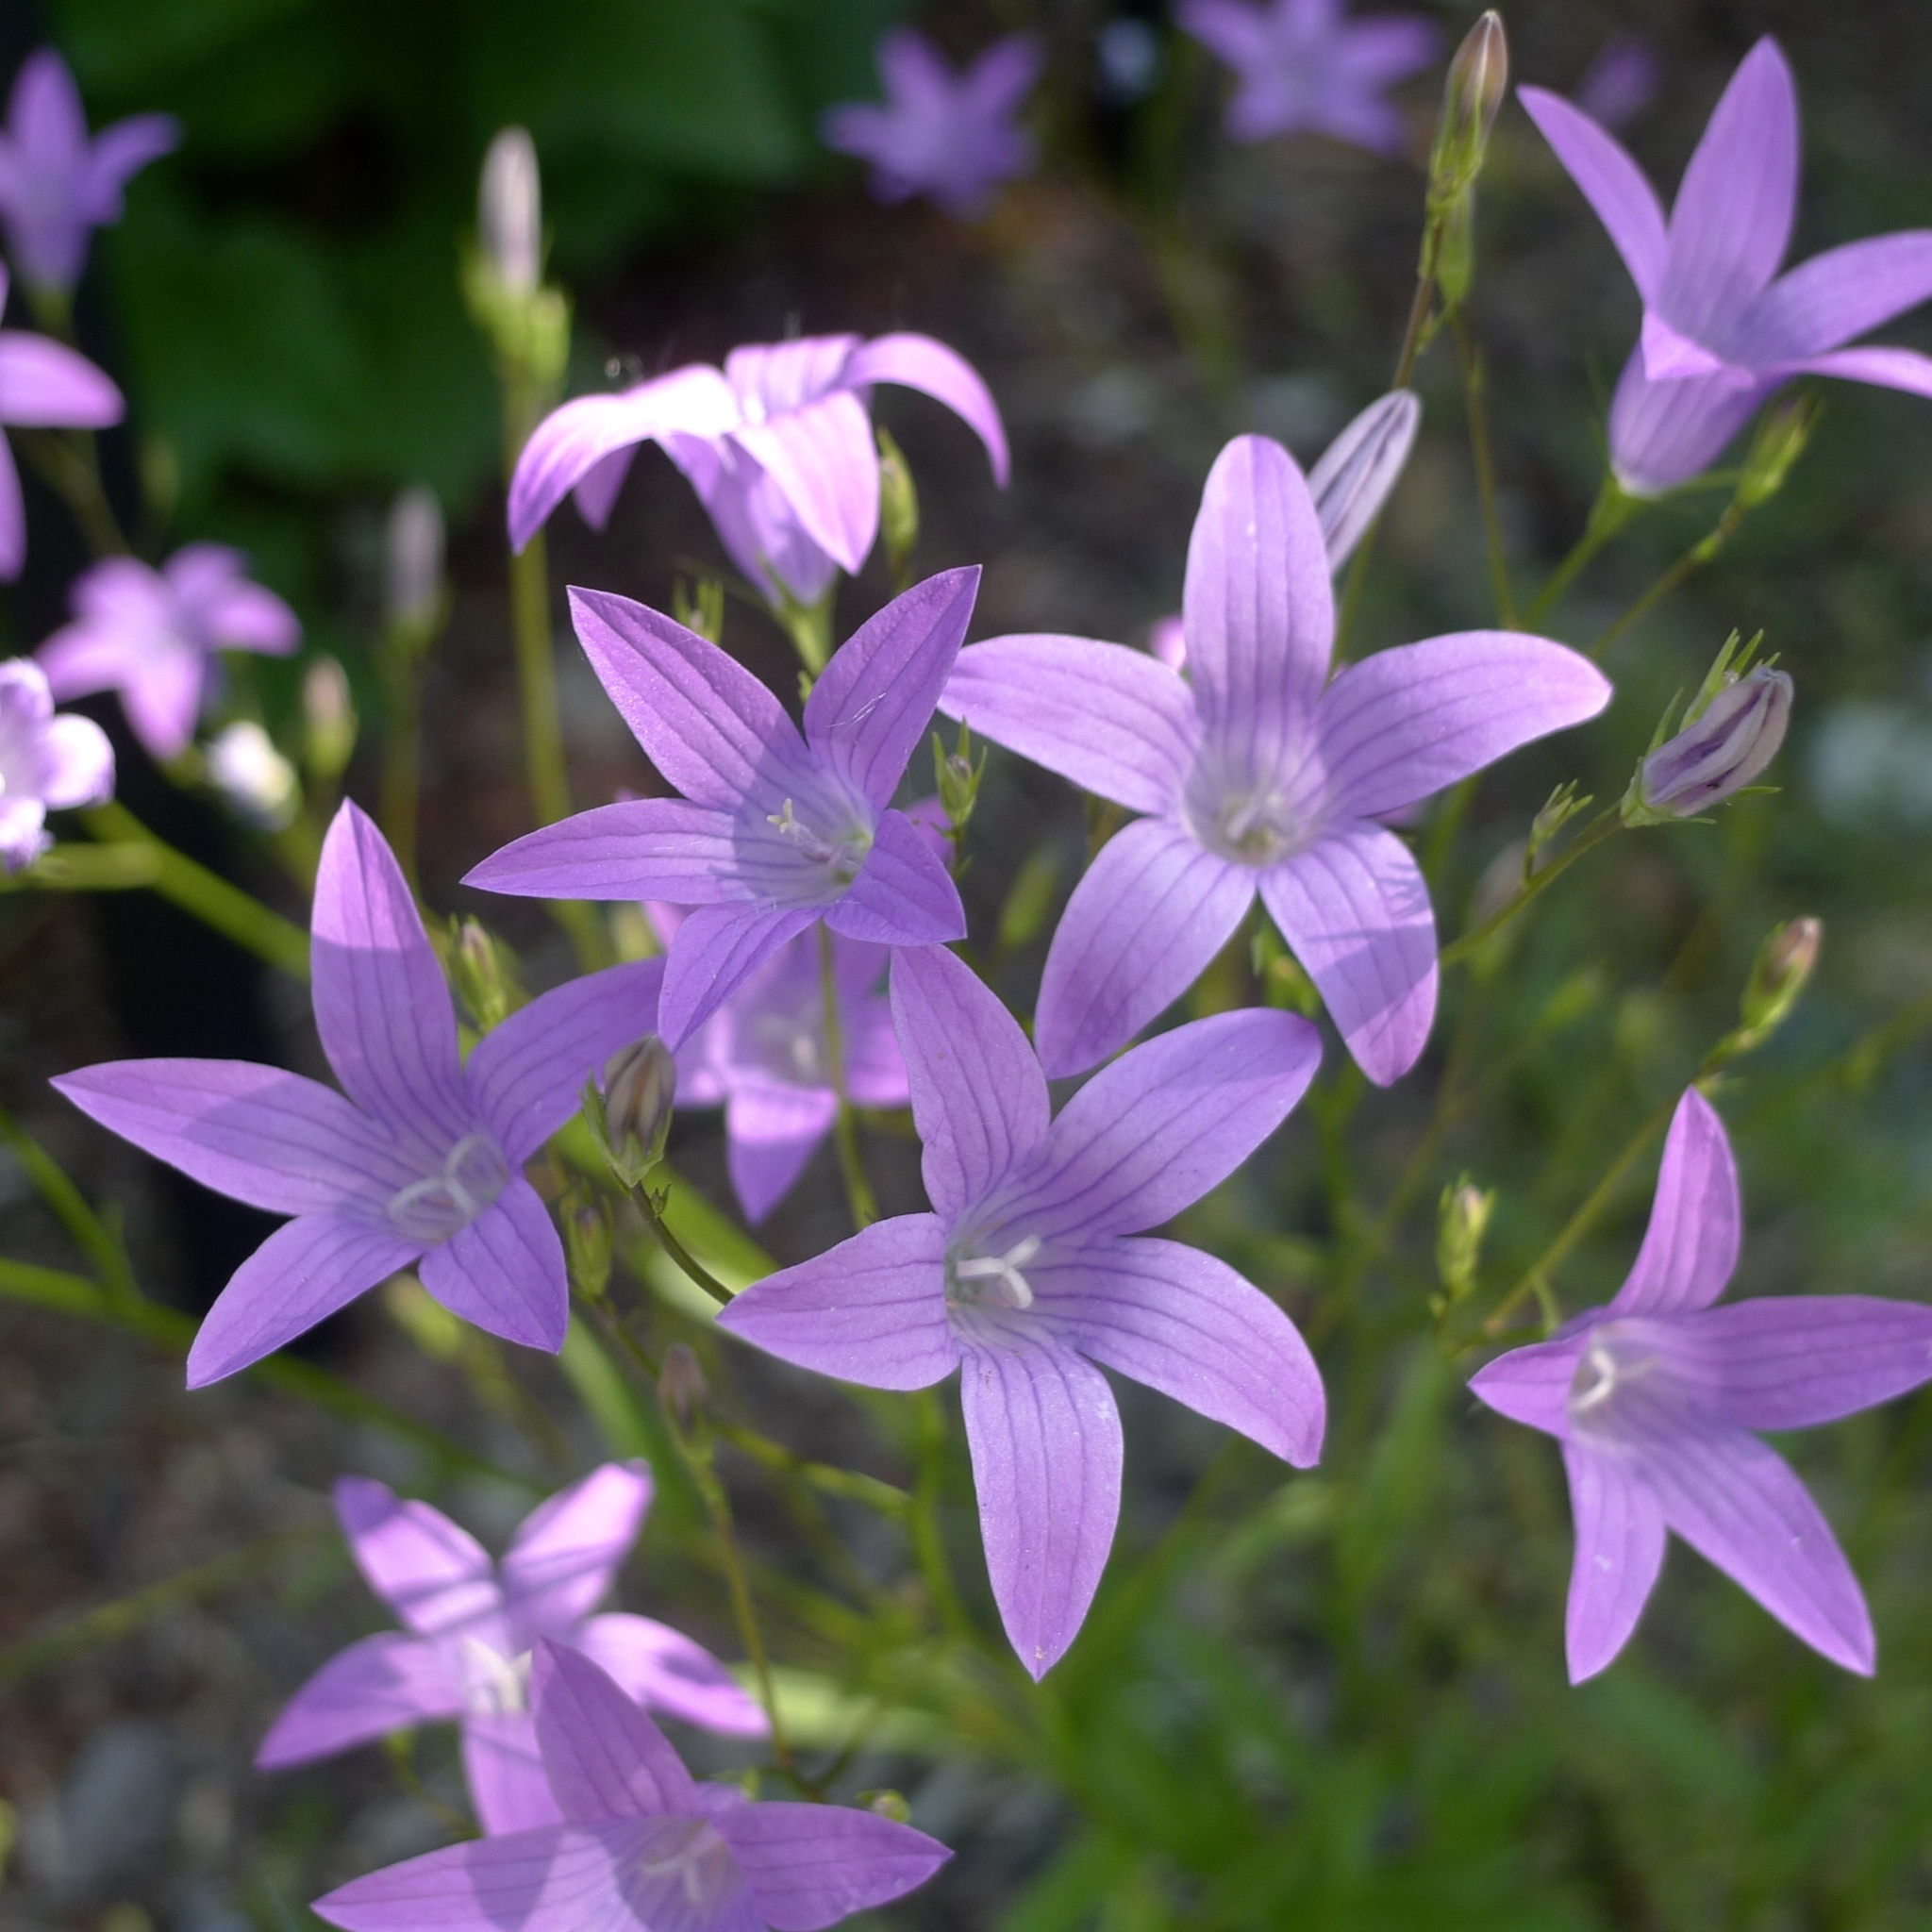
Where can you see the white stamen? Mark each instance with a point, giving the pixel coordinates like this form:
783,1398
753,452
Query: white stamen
696,1854
844,855
473,1174
1004,1269
498,1685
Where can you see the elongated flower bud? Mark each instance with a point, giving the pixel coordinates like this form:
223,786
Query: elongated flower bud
510,211
1779,975
412,563
1471,98
1353,476
253,777
1779,443
1463,1219
632,1116
587,1246
328,721
484,975
1717,753
898,502
681,1386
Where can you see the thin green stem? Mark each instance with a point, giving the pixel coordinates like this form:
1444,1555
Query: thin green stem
696,1269
858,1194
928,1541
1611,510
852,1485
68,461
85,1228
1606,822
1692,559
809,627
1474,387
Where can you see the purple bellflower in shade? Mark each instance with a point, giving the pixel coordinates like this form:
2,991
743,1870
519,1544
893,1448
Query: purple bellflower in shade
947,135
44,385
1654,1399
1258,774
778,445
640,1846
1621,82
45,764
56,185
422,1162
1304,66
469,1628
153,634
1719,334
774,830
1032,1268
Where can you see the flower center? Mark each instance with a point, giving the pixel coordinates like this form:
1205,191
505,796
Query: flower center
1609,1368
473,1174
791,1047
691,1854
496,1685
842,856
973,1279
1255,828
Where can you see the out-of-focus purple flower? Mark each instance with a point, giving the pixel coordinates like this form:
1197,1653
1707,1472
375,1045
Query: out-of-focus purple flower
56,186
1718,752
1655,1398
1304,65
774,830
1620,83
246,769
423,1162
641,1847
151,635
1029,1270
1719,333
46,762
470,1626
778,445
1256,774
44,385
947,135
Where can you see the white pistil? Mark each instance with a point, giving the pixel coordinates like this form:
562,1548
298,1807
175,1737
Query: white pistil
697,1856
1010,1285
472,1175
498,1685
842,855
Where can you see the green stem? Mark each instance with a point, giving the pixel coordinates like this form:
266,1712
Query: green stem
1692,559
696,1269
858,1194
1474,388
928,1541
85,1228
1611,510
809,627
852,1484
1594,833
68,461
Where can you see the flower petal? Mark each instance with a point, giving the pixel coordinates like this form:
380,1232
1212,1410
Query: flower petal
1115,721
916,361
871,1310
504,1270
503,1771
1835,296
606,1758
1612,183
1904,369
1691,1247
1619,1550
663,1670
978,1098
814,1865
771,1128
904,895
1531,1385
1354,911
640,848
1664,433
43,384
76,763
1791,1361
1046,1442
385,1683
12,517
717,949
433,1573
822,460
1150,913
567,1552
1353,476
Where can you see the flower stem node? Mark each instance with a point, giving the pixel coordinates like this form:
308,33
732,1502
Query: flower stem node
1730,734
631,1117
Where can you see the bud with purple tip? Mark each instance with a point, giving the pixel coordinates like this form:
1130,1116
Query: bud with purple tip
1731,732
1354,475
631,1116
510,211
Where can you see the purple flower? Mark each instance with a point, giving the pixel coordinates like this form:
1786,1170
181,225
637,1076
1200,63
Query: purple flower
1303,64
1717,751
1654,1399
423,1162
1719,333
641,1848
55,184
774,830
151,635
1622,82
44,385
946,135
45,764
1254,777
778,444
1028,1273
470,1626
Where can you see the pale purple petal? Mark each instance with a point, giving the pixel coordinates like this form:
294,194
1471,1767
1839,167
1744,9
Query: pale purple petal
1611,182
527,1074
770,1130
778,377
868,710
640,848
303,1272
979,1099
596,494
822,460
76,763
663,1670
385,1683
1412,721
12,517
1233,29
434,1575
1621,82
1045,1440
247,617
1143,923
503,1771
874,1068
1187,1325
566,1553
1619,1550
872,1310
606,1758
1826,301
717,949
504,1270
809,1866
916,361
1115,721
1356,914
904,895
1532,1383
254,1133
1353,476
1664,433
1791,1361
43,384
1691,1247
1904,369
1383,48
122,151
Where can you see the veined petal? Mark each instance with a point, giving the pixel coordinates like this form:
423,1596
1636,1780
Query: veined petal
1791,1361
12,517
717,949
505,1773
1354,911
663,1670
1619,1550
504,1270
567,1552
640,848
871,1310
978,1098
1903,369
773,378
43,384
903,896
385,1683
916,361
1691,1247
771,1128
1187,1325
432,1573
1843,292
814,1865
1531,1385
1353,476
1611,182
1409,722
821,458
1117,722
1046,1442
1143,923
606,1758
1664,433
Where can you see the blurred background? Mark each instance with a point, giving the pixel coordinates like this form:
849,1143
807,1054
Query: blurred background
1334,1701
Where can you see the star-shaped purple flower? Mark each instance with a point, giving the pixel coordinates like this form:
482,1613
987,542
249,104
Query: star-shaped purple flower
947,135
46,762
774,830
642,1847
1304,65
778,445
421,1163
1033,1267
1719,333
1258,774
470,1626
56,186
153,634
1655,1398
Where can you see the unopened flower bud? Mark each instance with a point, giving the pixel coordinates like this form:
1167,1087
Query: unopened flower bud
328,721
587,1246
681,1386
510,211
1461,1222
957,774
898,502
1471,98
247,769
1779,443
888,1804
1353,476
1779,974
412,564
1722,746
633,1113
485,977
